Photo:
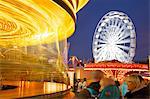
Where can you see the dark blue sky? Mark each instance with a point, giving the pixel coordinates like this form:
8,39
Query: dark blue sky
89,16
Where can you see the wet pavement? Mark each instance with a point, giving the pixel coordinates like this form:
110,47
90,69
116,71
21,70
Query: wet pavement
70,95
29,89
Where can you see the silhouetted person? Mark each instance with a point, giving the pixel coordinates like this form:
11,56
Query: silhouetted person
92,89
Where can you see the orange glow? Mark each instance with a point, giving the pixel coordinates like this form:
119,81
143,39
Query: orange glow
26,89
36,21
32,36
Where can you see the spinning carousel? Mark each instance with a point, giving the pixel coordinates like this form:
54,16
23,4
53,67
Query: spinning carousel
33,42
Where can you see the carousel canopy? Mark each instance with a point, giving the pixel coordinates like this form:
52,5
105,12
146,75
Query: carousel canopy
31,22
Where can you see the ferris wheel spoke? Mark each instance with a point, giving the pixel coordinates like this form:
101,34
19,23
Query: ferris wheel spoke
120,56
119,34
110,22
123,52
122,29
119,28
124,36
124,58
101,45
100,54
123,47
117,53
123,41
109,56
104,38
116,22
99,48
102,48
119,24
106,31
117,57
102,41
104,54
97,51
109,35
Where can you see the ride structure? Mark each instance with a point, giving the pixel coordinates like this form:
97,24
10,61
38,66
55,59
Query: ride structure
114,44
114,38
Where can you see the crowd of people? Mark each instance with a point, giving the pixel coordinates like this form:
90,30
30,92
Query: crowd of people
101,87
80,85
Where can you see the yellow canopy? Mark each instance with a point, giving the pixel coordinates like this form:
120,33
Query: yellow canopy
31,22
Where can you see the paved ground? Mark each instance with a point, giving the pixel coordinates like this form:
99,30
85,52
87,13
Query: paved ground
71,95
29,89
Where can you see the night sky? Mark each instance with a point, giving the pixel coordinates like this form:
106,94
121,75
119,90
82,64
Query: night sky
89,16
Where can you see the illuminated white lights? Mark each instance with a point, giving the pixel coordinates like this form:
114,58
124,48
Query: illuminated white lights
15,46
114,38
41,36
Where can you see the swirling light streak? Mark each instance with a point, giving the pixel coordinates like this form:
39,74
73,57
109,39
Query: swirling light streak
32,22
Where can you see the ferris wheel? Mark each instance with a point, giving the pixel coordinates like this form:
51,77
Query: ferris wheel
114,38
